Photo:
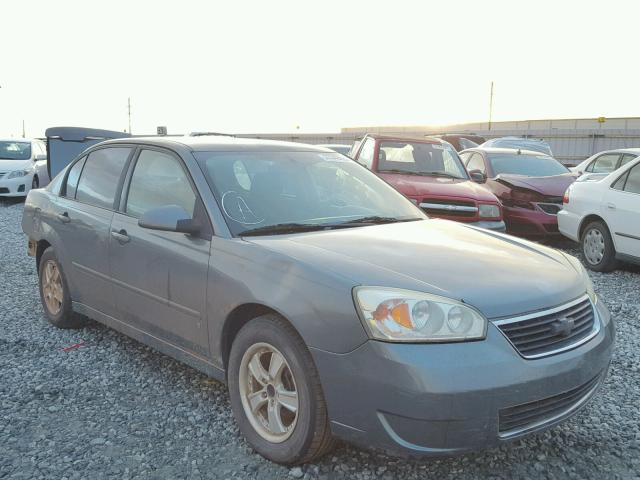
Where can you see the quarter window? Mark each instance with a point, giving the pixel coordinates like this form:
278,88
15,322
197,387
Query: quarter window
626,158
72,178
633,180
100,176
159,180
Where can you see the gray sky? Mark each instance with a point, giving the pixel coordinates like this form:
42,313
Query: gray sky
272,66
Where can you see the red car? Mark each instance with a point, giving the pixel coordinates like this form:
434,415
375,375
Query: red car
530,186
431,174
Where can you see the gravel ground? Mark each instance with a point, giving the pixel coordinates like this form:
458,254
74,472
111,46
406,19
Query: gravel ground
117,409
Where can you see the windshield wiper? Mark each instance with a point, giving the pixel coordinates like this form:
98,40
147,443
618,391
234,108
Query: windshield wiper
292,227
442,174
373,220
282,228
404,172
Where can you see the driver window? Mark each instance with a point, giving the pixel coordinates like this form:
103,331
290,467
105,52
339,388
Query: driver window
158,180
476,163
366,154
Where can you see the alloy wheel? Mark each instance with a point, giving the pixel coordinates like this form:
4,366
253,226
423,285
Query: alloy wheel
594,246
268,392
52,288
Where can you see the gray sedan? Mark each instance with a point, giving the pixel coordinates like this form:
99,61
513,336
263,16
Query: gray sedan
330,304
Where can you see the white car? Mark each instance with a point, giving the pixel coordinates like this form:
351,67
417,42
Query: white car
23,166
603,214
607,161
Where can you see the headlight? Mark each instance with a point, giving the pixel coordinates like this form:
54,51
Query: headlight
489,211
18,174
406,316
577,264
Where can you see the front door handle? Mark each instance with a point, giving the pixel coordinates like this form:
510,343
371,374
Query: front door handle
121,236
63,217
611,206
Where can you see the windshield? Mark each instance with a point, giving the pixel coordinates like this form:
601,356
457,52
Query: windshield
258,190
420,159
529,165
10,150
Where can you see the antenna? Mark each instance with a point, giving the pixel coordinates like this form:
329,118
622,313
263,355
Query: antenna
129,111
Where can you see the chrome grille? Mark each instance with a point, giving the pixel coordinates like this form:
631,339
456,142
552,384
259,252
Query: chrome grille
526,416
450,208
552,331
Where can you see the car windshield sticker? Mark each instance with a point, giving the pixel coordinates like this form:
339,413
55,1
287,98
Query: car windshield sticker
235,207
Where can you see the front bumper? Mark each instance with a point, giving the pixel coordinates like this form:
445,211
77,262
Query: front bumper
15,187
522,221
443,399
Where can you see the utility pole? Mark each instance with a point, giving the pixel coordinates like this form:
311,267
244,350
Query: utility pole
129,110
23,133
490,105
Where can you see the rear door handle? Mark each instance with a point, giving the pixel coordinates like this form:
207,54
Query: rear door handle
63,217
611,206
121,236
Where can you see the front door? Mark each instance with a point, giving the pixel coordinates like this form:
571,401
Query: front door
622,211
160,278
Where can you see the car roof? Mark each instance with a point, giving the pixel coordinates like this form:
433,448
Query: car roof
621,150
504,151
228,143
404,139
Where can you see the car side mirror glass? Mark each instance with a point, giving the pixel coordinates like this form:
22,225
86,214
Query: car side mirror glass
169,218
477,176
40,156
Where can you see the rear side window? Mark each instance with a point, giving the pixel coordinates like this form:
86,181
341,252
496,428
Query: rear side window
159,180
100,176
72,178
604,163
633,180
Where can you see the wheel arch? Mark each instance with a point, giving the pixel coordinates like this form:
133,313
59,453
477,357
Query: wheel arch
587,220
238,318
42,245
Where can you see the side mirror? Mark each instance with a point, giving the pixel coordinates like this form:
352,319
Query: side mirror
477,176
40,156
169,218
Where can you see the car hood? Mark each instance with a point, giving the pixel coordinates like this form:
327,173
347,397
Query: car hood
420,186
12,165
498,274
554,186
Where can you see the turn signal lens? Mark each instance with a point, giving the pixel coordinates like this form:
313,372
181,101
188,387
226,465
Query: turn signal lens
404,315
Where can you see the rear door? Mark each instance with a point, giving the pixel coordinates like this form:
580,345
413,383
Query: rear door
82,216
160,278
622,212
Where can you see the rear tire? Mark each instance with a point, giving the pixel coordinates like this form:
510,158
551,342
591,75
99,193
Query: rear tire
298,437
598,250
54,293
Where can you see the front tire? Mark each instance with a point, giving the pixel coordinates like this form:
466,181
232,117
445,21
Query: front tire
275,393
54,293
35,183
598,250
